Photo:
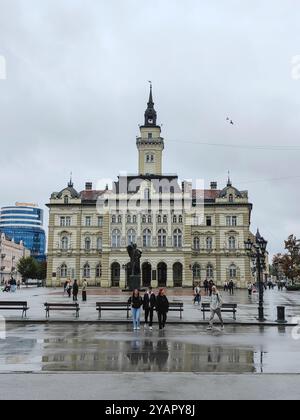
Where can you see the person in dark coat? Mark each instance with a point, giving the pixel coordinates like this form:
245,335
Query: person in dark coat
162,308
75,290
149,306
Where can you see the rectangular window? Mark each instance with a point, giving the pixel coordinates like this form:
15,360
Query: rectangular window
100,221
68,221
88,221
62,221
231,220
208,221
149,135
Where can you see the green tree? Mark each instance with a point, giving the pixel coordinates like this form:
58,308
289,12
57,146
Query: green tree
28,268
289,263
41,270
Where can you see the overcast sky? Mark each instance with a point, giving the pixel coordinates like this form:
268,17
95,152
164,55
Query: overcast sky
76,90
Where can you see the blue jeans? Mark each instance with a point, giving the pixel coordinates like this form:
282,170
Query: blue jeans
136,315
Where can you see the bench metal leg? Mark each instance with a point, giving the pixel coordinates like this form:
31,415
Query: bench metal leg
203,315
99,314
180,313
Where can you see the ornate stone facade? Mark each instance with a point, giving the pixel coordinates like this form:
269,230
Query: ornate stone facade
186,234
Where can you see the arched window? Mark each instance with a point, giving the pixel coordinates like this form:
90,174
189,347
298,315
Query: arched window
165,218
230,198
144,218
128,218
66,199
98,270
210,271
87,244
86,270
232,271
147,238
162,238
113,219
197,243
116,238
177,238
119,219
180,219
131,236
134,219
64,243
232,242
174,219
99,243
159,218
172,190
63,271
149,219
209,243
196,271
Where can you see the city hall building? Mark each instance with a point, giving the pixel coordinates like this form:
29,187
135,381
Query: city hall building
186,234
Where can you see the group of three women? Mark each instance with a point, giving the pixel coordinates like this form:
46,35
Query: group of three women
150,303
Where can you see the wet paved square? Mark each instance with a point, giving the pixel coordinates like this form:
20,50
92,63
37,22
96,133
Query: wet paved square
116,348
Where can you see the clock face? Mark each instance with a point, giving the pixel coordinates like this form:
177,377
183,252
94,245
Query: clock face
150,120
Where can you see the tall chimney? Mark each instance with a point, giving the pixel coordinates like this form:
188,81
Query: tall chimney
88,186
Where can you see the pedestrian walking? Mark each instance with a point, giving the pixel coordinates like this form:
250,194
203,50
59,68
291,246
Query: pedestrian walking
215,308
13,285
250,288
18,285
69,288
205,284
65,286
149,302
210,286
136,302
197,294
162,308
84,289
75,290
231,287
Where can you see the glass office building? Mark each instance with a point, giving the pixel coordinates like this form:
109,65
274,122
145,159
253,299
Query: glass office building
25,222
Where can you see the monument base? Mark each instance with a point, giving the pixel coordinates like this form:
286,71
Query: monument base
134,282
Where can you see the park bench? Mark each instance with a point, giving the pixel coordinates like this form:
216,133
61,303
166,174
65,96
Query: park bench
226,307
61,307
125,306
176,306
113,306
14,306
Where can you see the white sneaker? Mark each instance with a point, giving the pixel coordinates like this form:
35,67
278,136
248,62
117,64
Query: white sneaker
208,328
150,328
138,328
134,328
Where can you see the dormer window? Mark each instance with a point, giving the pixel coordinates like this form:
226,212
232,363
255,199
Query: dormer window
149,135
66,199
230,198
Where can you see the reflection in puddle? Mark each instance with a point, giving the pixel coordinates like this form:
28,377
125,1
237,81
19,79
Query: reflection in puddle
144,355
86,348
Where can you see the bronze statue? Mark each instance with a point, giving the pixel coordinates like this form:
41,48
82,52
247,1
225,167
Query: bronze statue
135,256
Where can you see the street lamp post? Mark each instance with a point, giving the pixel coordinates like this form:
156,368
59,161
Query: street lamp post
257,252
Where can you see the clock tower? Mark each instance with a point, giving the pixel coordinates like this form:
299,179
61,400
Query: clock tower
150,144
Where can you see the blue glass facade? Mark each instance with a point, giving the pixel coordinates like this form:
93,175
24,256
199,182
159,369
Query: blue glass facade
25,223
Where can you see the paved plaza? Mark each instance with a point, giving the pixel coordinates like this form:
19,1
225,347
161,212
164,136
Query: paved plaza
64,359
246,313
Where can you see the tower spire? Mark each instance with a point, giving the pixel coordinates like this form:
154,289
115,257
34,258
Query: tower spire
150,113
229,183
70,184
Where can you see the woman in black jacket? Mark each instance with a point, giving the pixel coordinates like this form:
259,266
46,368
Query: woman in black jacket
162,308
136,302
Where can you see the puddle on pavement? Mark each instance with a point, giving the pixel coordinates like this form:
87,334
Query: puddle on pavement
91,348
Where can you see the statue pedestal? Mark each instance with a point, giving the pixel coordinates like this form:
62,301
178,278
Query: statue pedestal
134,282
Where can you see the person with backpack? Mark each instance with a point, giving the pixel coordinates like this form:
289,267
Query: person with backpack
215,308
197,294
136,302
